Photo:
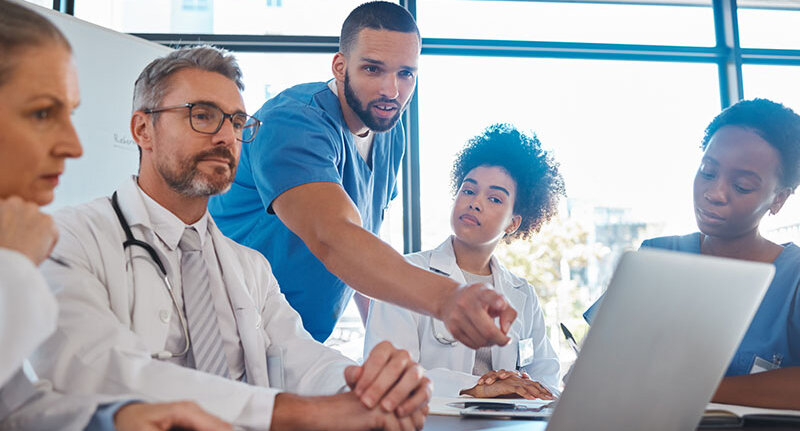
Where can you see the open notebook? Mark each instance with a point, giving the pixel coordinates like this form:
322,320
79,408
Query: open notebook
726,415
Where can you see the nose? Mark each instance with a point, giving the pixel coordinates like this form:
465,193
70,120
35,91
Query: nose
69,145
474,205
226,133
715,193
389,88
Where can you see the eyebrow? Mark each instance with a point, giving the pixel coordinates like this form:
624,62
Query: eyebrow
381,63
740,172
502,189
214,104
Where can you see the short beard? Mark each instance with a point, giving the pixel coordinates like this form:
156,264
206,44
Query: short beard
372,123
190,182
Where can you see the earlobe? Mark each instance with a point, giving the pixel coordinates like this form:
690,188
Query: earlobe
514,225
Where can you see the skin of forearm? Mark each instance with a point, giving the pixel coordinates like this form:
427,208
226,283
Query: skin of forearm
777,389
375,269
291,412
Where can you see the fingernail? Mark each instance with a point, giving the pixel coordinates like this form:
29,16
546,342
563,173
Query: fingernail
368,401
359,391
387,405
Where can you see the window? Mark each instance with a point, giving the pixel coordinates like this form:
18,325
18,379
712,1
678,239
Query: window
769,28
627,137
567,22
253,17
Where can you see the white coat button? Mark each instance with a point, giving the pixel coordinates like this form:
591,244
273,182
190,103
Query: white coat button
164,316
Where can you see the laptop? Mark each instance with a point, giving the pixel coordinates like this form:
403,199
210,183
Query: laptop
661,341
659,345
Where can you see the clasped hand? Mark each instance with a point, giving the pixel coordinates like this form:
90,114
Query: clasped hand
508,384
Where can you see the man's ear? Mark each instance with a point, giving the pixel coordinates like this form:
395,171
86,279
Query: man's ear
142,130
339,66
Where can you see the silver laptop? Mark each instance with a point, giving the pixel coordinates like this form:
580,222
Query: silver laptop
660,342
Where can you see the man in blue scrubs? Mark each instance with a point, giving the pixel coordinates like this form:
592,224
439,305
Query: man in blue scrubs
311,190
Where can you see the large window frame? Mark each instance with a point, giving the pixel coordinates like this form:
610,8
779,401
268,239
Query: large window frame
727,54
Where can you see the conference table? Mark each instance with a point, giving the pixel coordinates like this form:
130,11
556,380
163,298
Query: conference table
454,423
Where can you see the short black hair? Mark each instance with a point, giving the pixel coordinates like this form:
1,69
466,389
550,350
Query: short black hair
539,183
774,123
377,15
22,28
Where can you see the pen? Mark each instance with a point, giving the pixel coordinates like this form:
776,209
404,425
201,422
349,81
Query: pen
570,339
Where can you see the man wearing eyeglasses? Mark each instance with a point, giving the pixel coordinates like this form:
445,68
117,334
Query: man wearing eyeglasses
155,301
312,192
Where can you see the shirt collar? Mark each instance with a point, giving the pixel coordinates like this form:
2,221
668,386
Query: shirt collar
167,226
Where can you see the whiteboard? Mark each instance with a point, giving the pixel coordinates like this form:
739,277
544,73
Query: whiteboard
108,64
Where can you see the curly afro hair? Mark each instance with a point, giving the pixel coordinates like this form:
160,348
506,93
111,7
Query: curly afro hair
539,184
774,123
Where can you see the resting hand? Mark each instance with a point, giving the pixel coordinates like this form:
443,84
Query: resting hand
166,416
25,229
341,412
469,315
508,384
390,378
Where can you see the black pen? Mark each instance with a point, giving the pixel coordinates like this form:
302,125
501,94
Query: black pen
570,339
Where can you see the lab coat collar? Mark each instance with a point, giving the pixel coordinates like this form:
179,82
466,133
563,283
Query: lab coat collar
443,261
146,212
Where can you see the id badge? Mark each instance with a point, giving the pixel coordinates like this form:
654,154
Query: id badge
760,365
524,352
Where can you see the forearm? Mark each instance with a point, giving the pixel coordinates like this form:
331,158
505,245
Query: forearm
777,389
375,269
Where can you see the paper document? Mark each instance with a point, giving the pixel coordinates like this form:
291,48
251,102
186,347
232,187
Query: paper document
452,406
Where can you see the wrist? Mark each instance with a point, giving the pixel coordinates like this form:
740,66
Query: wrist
290,412
444,298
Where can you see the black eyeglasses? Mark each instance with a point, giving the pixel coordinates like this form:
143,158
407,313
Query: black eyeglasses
208,119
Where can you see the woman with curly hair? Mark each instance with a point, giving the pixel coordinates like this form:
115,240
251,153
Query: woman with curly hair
506,187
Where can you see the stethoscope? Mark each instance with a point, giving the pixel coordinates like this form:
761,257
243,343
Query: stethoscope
438,330
131,241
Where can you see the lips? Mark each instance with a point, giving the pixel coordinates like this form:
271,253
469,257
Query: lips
52,178
470,219
709,216
384,109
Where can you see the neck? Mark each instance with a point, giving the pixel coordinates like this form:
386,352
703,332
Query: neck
188,209
750,246
356,126
473,259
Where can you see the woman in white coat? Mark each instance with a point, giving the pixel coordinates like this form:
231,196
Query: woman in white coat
39,91
506,188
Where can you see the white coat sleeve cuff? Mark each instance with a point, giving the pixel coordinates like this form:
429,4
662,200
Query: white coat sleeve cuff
257,413
448,383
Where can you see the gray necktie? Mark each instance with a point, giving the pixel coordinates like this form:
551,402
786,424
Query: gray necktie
483,361
201,317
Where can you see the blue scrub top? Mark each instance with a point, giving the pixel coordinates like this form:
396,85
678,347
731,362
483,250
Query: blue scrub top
775,329
304,139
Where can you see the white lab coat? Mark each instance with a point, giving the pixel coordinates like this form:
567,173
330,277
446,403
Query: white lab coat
450,366
28,314
115,312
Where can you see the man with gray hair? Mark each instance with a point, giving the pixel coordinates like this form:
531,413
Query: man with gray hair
156,301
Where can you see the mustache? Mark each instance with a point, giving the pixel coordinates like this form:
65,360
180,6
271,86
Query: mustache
222,152
385,100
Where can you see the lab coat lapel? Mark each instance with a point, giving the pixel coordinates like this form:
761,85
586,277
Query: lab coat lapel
505,357
248,319
443,261
142,280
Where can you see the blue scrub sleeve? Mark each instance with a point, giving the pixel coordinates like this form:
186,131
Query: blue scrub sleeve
103,418
294,147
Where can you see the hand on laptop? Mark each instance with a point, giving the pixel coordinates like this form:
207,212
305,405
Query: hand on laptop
502,383
391,379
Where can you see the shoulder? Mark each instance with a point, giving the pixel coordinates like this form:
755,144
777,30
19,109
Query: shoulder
420,258
312,100
96,215
677,242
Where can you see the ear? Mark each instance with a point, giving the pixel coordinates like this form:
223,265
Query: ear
512,227
779,200
142,130
339,66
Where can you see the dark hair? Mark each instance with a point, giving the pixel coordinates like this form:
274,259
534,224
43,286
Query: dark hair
21,28
774,123
377,15
539,184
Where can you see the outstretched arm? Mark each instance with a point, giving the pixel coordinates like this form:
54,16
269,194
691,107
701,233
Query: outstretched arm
775,389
